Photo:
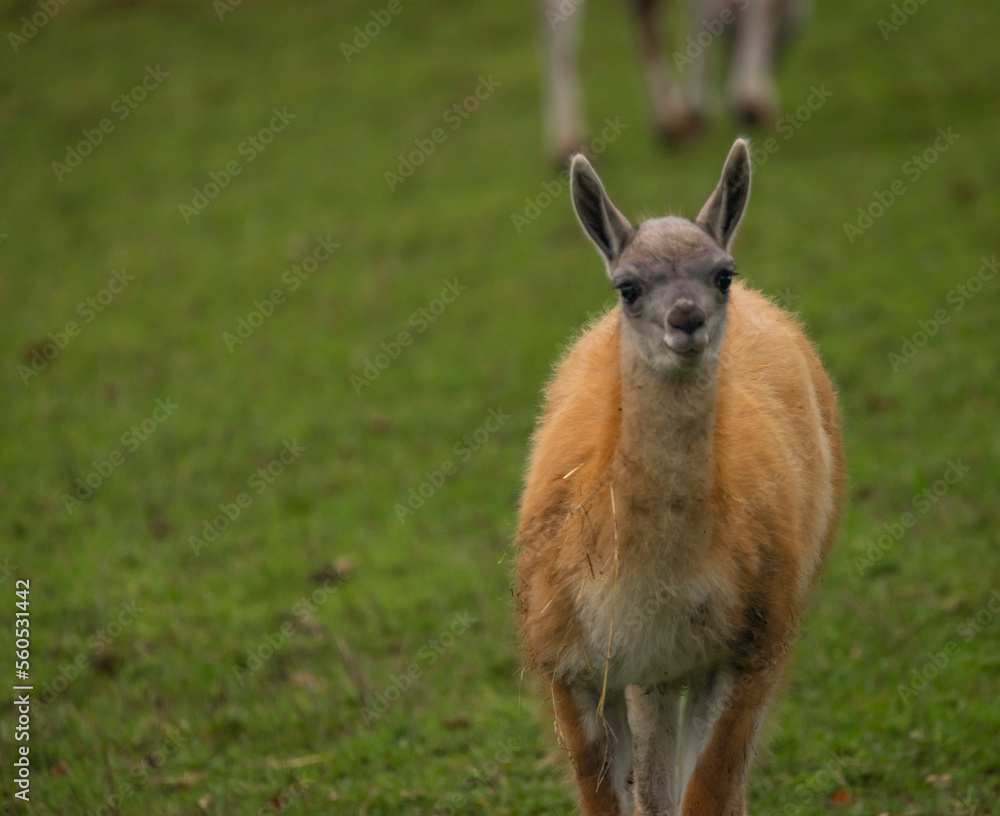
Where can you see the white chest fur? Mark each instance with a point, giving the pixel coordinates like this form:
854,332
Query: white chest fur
662,630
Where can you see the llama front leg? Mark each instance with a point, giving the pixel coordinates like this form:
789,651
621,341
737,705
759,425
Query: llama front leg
673,117
692,57
721,721
565,130
753,94
600,747
654,717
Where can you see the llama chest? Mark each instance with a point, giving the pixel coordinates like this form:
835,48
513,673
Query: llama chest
661,629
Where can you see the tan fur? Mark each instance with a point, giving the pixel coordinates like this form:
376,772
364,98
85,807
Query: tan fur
664,537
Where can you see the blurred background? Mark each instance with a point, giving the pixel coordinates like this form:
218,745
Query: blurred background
279,287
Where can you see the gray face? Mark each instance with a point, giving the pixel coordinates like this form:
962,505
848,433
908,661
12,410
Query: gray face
673,280
673,274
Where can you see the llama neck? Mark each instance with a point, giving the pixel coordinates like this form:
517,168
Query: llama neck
665,451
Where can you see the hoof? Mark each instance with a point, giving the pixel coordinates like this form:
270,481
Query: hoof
681,127
759,115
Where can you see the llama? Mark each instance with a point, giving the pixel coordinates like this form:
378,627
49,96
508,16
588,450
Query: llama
683,488
757,30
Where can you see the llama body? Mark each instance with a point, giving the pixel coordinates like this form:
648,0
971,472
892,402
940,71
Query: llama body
674,516
756,30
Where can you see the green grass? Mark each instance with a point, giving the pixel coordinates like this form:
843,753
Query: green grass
237,675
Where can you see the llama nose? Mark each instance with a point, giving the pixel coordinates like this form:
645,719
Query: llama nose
687,317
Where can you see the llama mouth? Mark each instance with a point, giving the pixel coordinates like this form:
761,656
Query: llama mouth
684,346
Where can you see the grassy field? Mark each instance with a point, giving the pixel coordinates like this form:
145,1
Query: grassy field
236,355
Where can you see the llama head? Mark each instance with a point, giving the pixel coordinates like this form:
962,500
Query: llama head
672,274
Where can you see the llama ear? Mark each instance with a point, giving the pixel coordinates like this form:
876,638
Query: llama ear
606,227
722,212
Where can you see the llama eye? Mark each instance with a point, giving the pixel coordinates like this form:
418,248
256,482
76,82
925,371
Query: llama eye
724,280
629,291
